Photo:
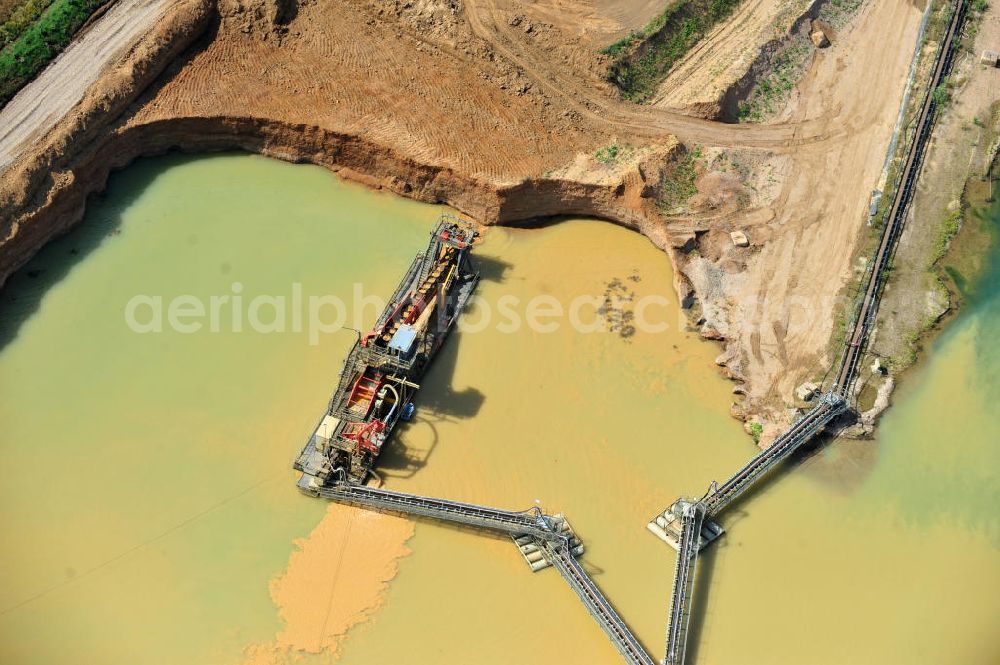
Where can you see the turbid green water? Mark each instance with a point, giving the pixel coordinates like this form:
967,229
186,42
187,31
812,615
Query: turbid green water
147,502
146,497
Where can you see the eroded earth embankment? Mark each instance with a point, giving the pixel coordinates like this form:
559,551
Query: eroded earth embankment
44,193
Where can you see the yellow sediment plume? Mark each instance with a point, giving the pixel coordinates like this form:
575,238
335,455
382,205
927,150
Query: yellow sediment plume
335,580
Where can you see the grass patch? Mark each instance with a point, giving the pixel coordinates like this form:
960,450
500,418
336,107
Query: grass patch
643,59
40,42
756,430
942,96
608,154
844,317
21,17
991,125
788,62
773,89
838,12
616,49
677,184
907,355
8,7
946,232
973,20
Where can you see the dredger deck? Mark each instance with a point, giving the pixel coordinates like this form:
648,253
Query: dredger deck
382,372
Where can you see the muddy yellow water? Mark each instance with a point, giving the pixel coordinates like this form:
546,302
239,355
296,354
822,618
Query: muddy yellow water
148,514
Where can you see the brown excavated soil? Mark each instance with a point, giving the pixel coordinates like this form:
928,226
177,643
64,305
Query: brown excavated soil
496,108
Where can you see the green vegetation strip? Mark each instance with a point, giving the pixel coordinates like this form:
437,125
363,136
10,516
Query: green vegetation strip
38,43
607,154
642,60
20,19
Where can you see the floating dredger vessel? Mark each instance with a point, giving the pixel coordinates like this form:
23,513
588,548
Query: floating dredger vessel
382,372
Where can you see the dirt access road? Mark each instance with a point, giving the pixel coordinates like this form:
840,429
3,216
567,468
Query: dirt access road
47,99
